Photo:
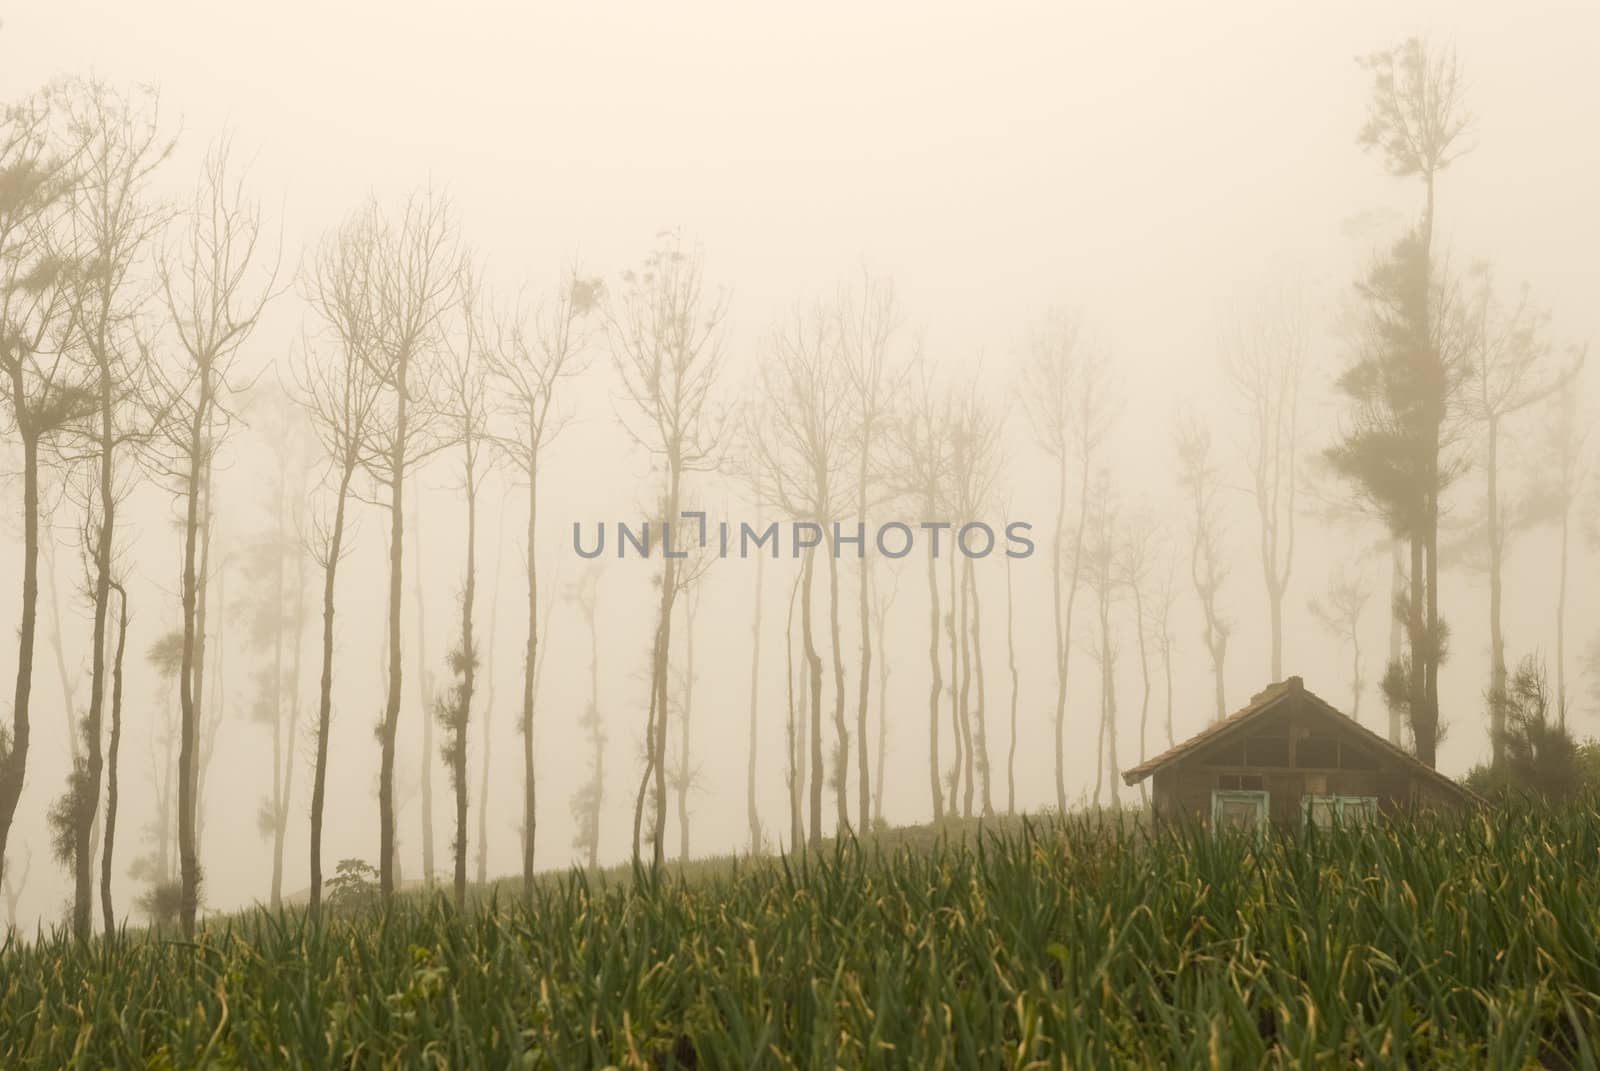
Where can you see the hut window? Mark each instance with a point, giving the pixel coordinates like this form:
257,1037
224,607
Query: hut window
1238,810
1266,751
1325,811
1317,753
1235,782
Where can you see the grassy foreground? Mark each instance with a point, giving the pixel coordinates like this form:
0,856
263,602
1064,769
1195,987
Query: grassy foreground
1471,941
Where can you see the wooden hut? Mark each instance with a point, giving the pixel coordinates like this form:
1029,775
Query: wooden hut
1288,757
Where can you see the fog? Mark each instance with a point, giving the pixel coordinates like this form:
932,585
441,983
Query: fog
1159,174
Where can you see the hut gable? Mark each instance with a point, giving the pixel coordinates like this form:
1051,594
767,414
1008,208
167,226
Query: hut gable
1288,756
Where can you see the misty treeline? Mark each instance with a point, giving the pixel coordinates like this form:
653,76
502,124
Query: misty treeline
126,328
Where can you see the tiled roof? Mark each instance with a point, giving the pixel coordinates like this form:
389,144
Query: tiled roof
1264,701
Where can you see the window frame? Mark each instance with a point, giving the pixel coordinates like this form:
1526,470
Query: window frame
1260,797
1308,803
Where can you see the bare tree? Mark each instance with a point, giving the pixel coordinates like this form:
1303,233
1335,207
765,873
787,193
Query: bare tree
919,441
1340,616
467,409
42,393
215,290
867,324
974,467
1197,476
1101,569
115,220
416,273
529,366
665,336
1065,393
1509,371
801,457
340,395
1265,360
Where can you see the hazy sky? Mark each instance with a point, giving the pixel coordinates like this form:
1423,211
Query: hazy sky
1149,165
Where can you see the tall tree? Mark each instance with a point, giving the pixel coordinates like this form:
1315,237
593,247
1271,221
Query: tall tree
215,286
340,394
1101,569
1197,476
1403,385
801,455
467,416
1065,392
1509,360
119,147
975,445
529,366
416,272
665,336
919,441
42,393
1265,358
867,325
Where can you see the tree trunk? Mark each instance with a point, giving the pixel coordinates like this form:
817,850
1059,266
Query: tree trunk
841,781
669,594
1011,666
751,815
319,775
1060,636
814,677
979,714
424,689
864,623
107,911
960,685
935,687
1561,611
391,710
1497,640
795,758
529,668
883,719
469,664
1144,672
683,731
188,857
281,832
87,804
482,857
